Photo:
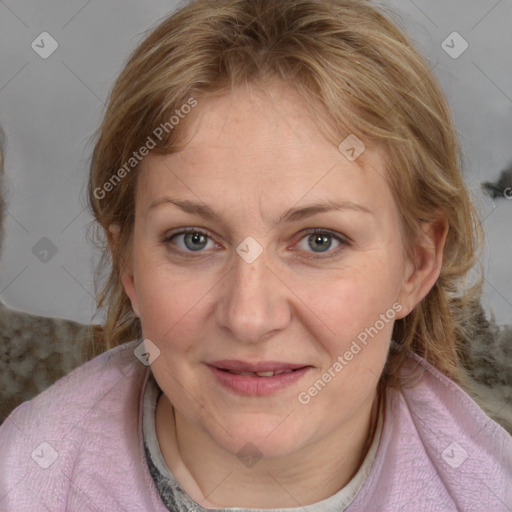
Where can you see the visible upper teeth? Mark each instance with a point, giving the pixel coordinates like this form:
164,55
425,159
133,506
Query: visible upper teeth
269,373
278,372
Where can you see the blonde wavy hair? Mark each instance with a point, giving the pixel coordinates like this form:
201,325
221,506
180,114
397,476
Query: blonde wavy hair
352,61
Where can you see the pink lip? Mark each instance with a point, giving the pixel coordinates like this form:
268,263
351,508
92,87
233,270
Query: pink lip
262,366
257,386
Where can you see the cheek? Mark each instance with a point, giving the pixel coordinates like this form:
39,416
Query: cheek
354,297
357,321
170,303
153,291
362,321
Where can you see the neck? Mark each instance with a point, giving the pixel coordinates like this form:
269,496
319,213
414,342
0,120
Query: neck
215,477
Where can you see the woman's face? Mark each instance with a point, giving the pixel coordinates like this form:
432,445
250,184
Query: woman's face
251,288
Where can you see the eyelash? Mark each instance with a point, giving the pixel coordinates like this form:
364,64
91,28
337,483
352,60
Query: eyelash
344,241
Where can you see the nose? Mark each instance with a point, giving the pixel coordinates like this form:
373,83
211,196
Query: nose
254,303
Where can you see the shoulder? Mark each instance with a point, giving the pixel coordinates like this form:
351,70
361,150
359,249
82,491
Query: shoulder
86,386
55,440
438,400
36,351
445,450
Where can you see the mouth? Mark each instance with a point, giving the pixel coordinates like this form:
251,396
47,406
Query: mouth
257,379
269,373
261,368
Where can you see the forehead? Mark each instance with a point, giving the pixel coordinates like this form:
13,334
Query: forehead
262,143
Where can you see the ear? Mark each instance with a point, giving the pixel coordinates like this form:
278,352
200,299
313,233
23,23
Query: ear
423,270
126,267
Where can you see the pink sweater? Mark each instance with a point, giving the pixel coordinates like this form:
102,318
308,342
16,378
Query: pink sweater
78,447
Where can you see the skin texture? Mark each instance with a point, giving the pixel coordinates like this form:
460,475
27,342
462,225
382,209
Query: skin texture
253,155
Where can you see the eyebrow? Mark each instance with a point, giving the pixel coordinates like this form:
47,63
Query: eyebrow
291,215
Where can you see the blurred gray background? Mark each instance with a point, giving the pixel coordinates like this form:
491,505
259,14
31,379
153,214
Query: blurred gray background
50,105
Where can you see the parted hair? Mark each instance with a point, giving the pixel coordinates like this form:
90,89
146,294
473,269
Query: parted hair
355,64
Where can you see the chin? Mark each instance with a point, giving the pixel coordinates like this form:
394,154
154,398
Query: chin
267,437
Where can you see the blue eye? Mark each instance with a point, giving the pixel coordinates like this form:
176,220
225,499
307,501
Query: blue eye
195,240
322,240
